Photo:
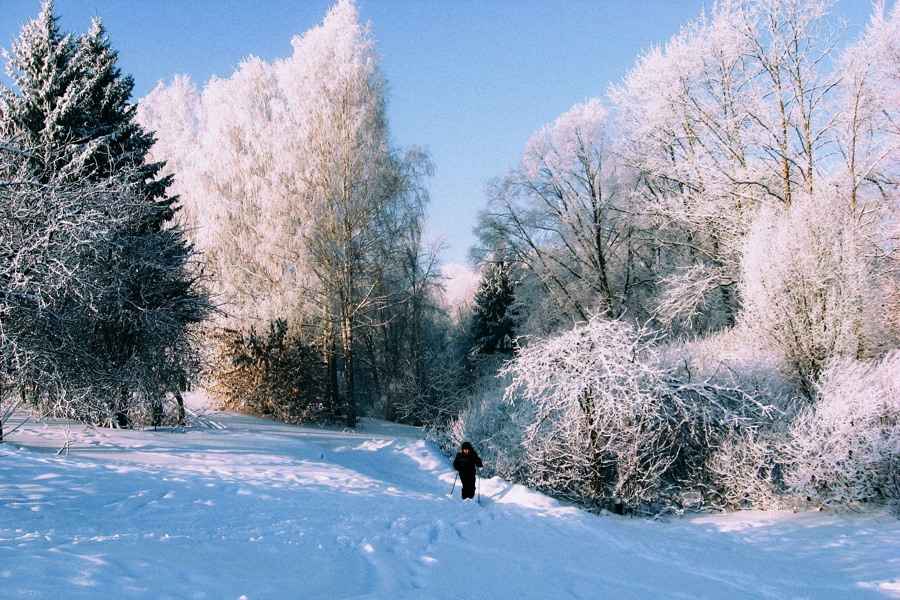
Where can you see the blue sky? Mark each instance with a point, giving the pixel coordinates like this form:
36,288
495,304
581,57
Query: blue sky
470,80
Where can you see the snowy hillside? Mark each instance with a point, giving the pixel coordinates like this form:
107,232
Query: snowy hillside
244,508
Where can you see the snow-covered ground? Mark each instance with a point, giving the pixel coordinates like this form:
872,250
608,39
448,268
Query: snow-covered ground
246,508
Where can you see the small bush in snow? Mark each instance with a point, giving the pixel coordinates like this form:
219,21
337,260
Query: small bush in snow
846,446
272,373
743,471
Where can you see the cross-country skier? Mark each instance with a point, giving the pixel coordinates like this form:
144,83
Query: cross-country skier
466,461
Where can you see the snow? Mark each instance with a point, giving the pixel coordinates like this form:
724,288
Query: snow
240,507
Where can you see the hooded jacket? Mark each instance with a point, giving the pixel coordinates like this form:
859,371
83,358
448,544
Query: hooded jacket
466,463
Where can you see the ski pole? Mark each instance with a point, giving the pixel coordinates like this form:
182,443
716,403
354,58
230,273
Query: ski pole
478,484
454,483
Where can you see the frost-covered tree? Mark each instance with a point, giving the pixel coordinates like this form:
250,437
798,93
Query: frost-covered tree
77,336
868,138
42,230
493,327
740,116
685,117
302,206
809,286
867,121
362,198
172,113
238,199
42,66
731,113
132,292
561,217
817,268
790,45
71,105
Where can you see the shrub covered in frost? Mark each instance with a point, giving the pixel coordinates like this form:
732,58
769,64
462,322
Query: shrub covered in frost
730,445
598,424
846,446
604,411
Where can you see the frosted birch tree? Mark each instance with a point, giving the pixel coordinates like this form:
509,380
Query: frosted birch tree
172,113
819,279
866,120
300,202
790,45
357,187
731,113
868,134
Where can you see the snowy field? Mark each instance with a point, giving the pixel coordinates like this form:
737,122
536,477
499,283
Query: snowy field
244,508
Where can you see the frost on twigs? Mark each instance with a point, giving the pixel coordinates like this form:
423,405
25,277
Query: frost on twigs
604,419
808,288
846,447
599,425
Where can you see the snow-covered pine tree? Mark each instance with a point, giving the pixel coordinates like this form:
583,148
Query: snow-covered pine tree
113,141
41,66
492,318
72,107
133,292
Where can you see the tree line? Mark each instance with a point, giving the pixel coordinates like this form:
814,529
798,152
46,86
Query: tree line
688,289
721,230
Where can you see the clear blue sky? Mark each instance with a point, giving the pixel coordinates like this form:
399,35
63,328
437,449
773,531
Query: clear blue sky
470,80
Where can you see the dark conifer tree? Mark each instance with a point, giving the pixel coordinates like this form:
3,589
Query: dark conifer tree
73,108
492,317
135,293
112,142
39,116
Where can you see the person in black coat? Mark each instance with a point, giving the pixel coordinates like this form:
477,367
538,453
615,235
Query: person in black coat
466,461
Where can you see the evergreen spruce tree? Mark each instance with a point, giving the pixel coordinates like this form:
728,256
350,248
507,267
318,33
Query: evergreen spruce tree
112,142
492,317
72,108
134,294
41,66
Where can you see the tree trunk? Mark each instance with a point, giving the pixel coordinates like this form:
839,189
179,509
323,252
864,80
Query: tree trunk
179,401
349,366
121,414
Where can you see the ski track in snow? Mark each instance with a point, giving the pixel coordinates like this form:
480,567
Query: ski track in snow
248,509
